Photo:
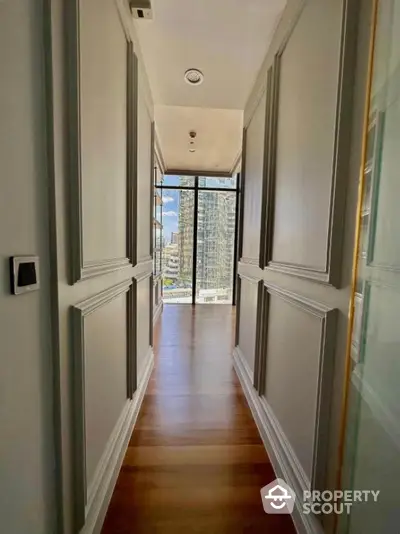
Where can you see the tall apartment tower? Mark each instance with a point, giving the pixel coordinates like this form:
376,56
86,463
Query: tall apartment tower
215,236
186,219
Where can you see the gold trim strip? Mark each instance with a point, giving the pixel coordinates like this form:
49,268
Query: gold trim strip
346,387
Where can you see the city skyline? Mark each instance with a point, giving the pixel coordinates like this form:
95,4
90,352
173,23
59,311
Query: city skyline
215,239
171,199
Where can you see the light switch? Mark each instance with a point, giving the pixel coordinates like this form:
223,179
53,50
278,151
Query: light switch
24,274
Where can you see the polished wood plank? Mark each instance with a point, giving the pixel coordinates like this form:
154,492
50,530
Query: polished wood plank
195,462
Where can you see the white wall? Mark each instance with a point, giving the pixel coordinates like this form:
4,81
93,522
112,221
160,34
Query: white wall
144,171
103,130
27,485
98,313
298,368
254,173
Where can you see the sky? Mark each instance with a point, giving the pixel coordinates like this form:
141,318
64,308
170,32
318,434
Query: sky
170,212
170,207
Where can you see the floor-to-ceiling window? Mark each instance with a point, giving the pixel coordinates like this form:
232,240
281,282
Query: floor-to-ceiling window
199,217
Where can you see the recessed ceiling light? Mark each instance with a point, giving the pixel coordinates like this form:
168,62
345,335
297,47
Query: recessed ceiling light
192,150
194,77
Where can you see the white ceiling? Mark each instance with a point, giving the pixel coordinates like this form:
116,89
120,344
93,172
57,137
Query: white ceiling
225,39
218,140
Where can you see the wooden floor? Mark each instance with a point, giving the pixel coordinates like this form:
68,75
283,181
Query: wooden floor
195,463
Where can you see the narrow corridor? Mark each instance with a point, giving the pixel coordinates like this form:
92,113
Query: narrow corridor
195,463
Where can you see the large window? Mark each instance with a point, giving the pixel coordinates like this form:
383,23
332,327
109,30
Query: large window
216,224
177,264
199,217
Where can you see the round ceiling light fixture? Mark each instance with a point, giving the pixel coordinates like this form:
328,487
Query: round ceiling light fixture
192,150
194,77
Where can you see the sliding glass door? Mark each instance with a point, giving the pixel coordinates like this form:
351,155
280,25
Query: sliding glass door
199,217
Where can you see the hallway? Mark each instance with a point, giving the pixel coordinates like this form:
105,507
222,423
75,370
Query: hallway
195,462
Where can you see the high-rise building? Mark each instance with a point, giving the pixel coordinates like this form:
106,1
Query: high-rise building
175,238
215,237
186,219
170,262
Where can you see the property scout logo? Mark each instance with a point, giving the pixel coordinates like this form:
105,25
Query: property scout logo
279,498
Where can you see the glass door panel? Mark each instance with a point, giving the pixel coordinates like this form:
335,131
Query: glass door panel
216,218
372,445
177,250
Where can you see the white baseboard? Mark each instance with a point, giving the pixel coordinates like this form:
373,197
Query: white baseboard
283,458
114,455
157,312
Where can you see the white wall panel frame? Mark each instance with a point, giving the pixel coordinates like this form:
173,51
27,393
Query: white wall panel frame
253,171
269,167
81,269
331,273
84,497
132,154
327,318
240,287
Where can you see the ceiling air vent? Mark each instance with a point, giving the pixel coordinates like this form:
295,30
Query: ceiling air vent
194,77
141,9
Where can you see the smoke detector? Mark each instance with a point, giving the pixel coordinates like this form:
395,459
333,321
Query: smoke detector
141,9
194,77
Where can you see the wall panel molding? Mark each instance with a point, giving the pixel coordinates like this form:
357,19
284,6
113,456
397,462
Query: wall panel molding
238,354
79,268
152,180
84,497
132,154
261,333
151,310
269,164
282,34
284,463
143,260
242,194
253,168
238,301
131,328
249,261
249,278
139,277
115,454
250,271
326,351
331,273
158,152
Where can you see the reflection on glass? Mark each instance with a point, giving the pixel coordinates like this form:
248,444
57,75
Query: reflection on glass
372,446
177,255
220,183
215,246
178,181
157,231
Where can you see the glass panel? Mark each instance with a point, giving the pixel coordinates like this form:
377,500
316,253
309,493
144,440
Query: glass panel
372,445
182,181
215,247
177,261
157,251
157,228
225,183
